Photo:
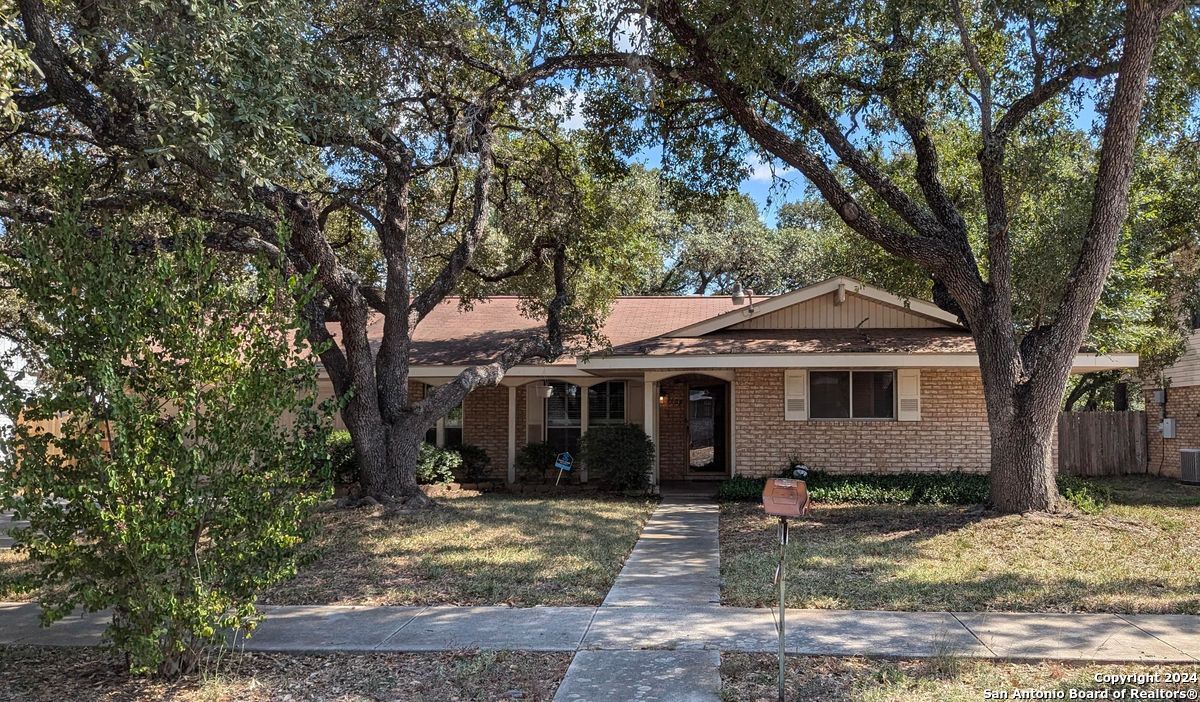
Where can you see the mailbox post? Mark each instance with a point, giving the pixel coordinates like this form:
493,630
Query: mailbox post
787,499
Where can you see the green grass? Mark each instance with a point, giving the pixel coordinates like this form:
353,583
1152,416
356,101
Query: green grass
1139,553
473,550
752,678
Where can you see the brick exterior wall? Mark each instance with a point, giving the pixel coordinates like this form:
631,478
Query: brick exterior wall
1183,403
952,434
485,424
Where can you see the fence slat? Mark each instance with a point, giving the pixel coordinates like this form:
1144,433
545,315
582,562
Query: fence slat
1102,443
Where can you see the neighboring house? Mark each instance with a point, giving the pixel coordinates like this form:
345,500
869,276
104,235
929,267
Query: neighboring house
1177,398
843,376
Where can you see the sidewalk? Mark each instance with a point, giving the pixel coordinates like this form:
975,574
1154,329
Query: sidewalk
1108,638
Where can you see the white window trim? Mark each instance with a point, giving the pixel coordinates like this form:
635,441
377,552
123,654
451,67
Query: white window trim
852,418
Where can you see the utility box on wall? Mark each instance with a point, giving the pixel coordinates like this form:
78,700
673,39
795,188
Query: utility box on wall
1167,427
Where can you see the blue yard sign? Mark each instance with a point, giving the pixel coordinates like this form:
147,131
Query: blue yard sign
563,462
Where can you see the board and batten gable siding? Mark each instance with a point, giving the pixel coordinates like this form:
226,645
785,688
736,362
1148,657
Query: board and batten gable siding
856,311
951,434
1186,371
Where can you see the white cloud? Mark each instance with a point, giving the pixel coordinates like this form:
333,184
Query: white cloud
569,110
766,171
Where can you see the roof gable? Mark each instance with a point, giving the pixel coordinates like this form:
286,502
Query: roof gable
837,303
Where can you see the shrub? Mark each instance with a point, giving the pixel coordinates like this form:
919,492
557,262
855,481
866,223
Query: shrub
893,488
741,489
171,491
436,466
343,464
1086,496
620,456
533,460
911,488
475,463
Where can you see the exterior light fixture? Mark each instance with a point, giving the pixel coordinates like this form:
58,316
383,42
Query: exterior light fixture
741,295
548,390
662,399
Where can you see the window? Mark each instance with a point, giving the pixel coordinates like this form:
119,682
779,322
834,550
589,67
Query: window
852,394
451,425
563,417
606,403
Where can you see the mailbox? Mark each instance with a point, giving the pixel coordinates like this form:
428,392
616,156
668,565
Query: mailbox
784,497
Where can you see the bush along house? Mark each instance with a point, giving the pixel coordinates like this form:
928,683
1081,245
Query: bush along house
841,375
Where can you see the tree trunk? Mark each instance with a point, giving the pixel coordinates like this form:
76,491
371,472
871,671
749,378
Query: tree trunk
404,446
1023,474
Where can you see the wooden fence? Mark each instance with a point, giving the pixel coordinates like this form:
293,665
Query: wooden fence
1102,443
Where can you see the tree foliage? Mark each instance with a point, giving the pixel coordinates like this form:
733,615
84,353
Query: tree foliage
179,481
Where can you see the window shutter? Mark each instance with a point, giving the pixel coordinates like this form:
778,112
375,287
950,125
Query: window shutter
535,408
908,394
795,395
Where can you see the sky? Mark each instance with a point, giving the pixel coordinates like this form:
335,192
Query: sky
787,185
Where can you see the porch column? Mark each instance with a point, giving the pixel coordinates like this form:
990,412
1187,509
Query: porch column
583,427
650,419
512,434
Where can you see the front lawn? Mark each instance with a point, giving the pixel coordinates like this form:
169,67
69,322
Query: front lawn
32,674
1139,554
747,677
473,550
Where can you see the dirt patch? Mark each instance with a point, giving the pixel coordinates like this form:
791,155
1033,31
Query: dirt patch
32,674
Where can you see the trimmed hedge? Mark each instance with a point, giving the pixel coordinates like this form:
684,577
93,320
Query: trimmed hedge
622,456
911,488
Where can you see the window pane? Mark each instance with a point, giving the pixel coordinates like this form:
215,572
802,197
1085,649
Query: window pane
454,418
829,394
874,393
453,437
562,407
606,403
616,402
598,403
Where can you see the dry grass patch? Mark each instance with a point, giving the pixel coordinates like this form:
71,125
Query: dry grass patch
1140,554
473,550
32,674
752,678
13,565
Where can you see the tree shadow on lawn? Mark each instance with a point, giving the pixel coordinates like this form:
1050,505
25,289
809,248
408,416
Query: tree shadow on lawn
921,557
473,550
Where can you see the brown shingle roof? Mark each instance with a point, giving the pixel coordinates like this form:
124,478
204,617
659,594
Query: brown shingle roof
454,336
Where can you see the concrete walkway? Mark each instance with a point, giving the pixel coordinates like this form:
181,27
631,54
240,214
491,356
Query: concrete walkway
676,562
6,523
673,572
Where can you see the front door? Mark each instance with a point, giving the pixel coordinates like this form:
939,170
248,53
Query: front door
706,430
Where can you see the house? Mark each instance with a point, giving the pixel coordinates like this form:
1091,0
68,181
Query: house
1176,397
842,375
